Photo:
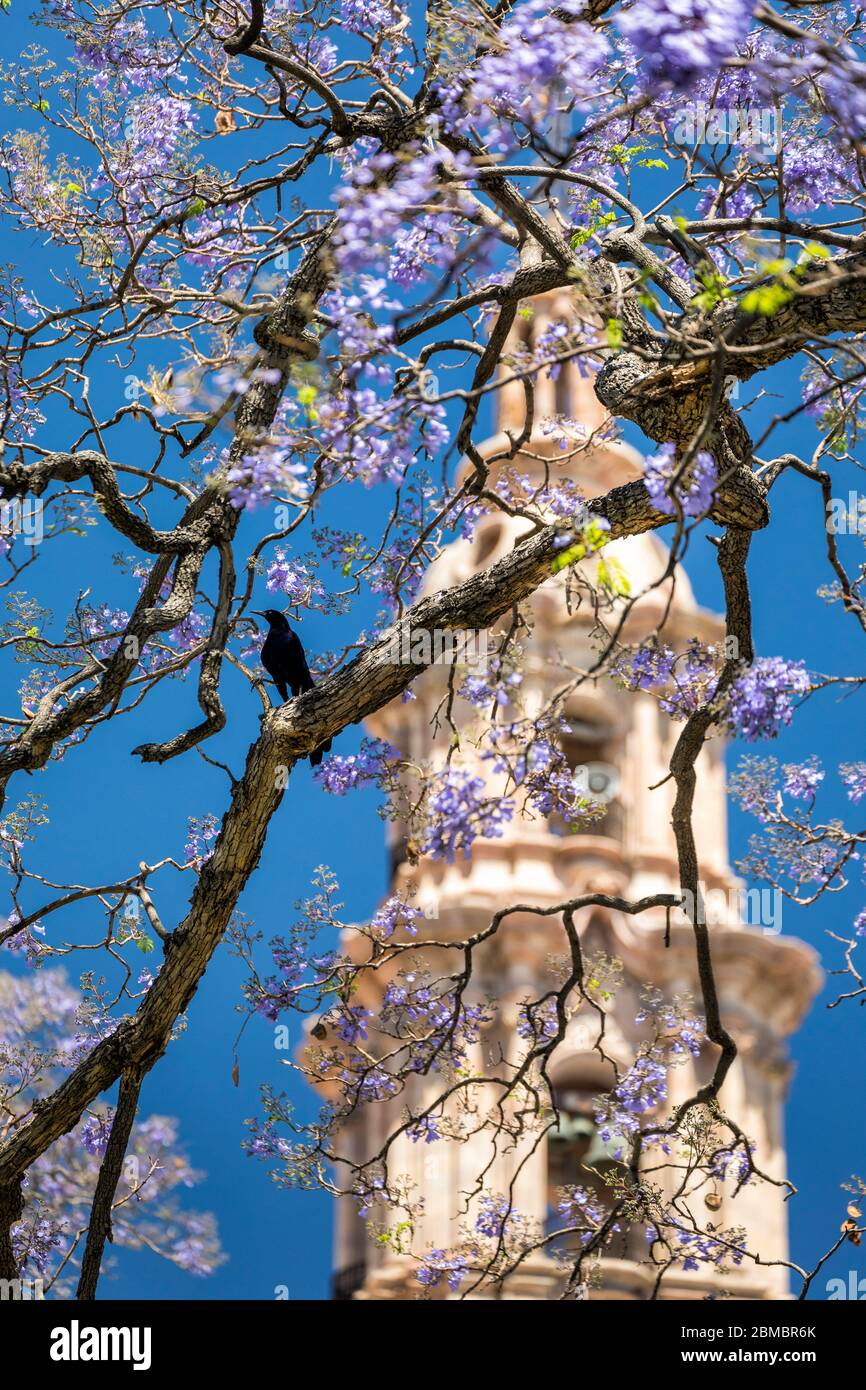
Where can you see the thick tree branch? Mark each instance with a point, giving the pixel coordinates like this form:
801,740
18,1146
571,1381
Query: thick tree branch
110,1170
17,480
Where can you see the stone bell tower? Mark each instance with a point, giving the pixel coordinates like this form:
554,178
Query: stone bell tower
765,981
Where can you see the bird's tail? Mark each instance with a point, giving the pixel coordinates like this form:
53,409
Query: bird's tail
318,753
307,683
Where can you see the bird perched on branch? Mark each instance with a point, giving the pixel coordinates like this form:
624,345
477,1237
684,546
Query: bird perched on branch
284,660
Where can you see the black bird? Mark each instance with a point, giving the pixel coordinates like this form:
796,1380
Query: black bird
283,658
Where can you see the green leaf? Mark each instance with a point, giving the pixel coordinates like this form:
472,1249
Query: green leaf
613,578
714,291
813,250
567,557
767,299
613,329
593,537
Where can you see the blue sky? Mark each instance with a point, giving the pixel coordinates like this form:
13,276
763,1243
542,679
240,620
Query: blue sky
108,812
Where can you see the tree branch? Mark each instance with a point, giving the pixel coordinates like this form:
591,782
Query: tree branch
99,1229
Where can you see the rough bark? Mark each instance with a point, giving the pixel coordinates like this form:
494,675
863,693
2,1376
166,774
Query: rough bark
110,1171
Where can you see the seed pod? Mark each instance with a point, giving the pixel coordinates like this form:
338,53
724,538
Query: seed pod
713,1200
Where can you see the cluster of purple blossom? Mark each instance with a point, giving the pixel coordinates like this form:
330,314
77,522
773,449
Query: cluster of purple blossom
644,1087
277,993
555,500
680,41
791,846
677,1035
429,243
805,858
382,191
365,1084
437,1266
693,491
539,48
760,702
265,1142
376,439
200,836
104,626
361,337
495,686
538,1021
399,567
438,1025
151,159
684,681
580,1206
678,1031
459,809
758,705
842,84
697,1247
189,633
293,579
374,764
497,1218
425,1128
19,416
351,1023
122,53
816,173
35,1239
271,470
239,376
219,245
95,1131
396,915
734,1164
552,787
367,17
758,787
29,942
830,398
801,780
100,619
854,777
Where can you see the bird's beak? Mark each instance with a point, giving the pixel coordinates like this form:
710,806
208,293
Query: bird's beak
256,614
